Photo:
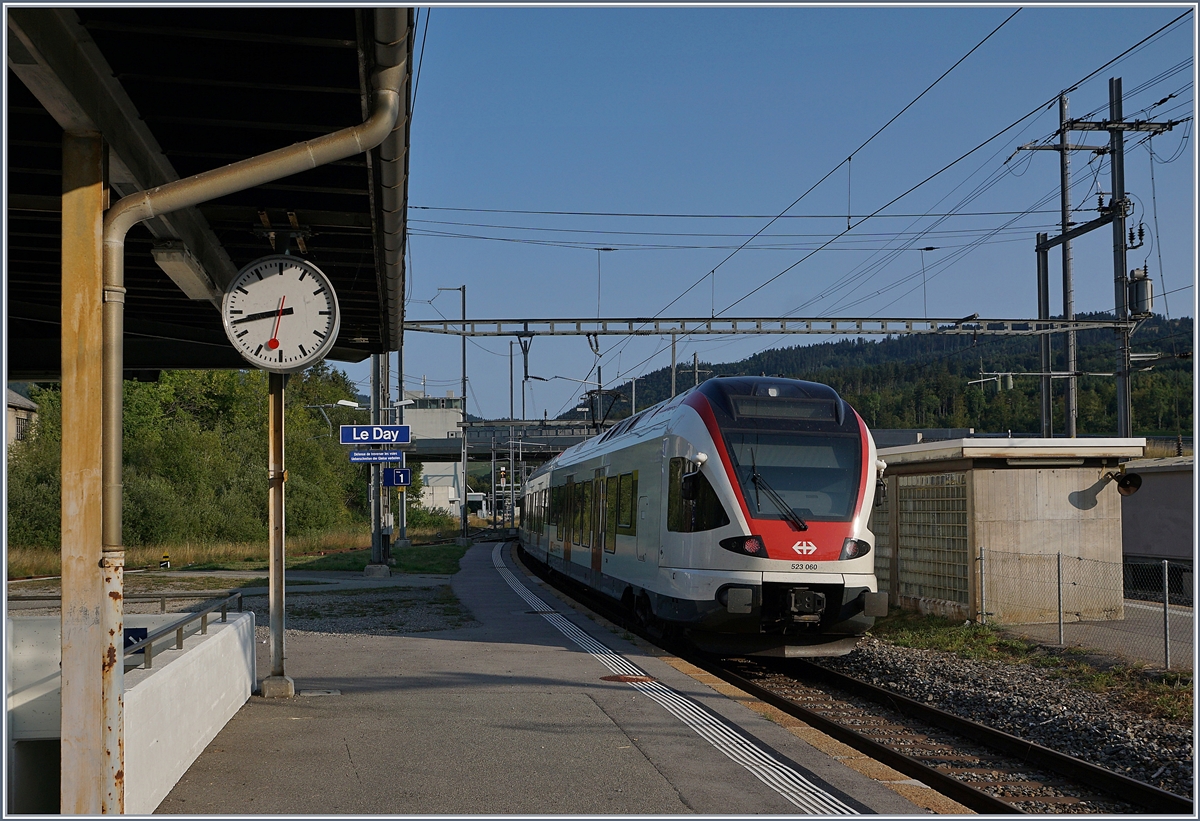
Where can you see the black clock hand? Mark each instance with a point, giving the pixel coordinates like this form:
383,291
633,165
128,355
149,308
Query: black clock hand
263,315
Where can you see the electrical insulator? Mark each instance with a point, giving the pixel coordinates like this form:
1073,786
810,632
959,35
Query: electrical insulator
1131,235
1141,231
1100,202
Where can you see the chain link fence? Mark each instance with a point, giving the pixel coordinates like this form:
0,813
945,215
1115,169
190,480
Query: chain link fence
1139,611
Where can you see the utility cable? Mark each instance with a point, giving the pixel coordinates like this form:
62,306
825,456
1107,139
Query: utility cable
706,234
955,162
839,165
420,61
712,272
648,215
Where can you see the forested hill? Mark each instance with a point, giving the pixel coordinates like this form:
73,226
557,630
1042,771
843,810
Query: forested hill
920,381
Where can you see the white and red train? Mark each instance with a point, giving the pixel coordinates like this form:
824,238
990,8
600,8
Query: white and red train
735,512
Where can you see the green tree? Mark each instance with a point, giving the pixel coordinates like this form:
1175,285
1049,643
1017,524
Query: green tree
195,453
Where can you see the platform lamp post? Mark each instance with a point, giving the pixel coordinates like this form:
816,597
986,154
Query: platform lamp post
512,490
341,403
463,289
399,407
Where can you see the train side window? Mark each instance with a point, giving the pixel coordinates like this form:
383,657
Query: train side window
676,517
583,514
700,509
707,511
570,512
556,508
625,496
627,491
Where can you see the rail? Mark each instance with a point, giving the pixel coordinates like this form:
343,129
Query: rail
162,597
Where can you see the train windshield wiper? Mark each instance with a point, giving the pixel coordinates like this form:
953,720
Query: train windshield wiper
773,495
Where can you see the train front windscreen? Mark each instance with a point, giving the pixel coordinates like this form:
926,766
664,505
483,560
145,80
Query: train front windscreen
795,446
816,475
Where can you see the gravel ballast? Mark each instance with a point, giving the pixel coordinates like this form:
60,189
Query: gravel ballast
1030,703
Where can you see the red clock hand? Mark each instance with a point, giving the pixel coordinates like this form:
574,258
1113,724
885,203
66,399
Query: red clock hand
273,342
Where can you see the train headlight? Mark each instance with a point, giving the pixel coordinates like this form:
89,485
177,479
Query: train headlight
854,549
746,545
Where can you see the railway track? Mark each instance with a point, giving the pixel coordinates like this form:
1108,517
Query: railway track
984,769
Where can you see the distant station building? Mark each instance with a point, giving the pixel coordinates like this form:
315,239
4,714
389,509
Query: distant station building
436,418
20,417
982,528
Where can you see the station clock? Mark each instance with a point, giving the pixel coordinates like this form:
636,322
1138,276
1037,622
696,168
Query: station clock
281,313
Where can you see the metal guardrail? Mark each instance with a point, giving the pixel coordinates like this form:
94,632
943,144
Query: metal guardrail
146,645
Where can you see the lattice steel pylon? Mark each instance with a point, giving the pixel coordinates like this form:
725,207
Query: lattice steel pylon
709,326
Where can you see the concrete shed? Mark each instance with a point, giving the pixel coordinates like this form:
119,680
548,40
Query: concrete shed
983,528
1158,522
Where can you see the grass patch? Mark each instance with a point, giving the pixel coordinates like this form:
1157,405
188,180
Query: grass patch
1155,694
350,560
434,558
26,562
970,640
1162,450
389,610
415,559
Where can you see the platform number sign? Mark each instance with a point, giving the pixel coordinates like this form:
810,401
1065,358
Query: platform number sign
397,477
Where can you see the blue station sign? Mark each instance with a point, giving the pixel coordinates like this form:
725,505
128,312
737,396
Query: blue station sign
375,435
377,456
397,477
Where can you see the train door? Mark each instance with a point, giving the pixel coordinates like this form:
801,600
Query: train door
612,518
569,515
646,538
599,518
583,520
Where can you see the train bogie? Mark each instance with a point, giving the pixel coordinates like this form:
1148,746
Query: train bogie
735,513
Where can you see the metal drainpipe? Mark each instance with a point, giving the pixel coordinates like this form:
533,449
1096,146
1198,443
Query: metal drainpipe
122,216
393,39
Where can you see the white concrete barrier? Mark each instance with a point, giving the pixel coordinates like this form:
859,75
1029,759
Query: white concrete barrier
172,711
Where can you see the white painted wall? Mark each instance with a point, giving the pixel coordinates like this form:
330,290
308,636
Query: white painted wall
442,481
1158,521
172,711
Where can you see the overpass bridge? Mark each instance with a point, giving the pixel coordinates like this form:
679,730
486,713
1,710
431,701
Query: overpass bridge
534,440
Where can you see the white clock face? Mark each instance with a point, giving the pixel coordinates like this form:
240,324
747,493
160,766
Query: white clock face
281,314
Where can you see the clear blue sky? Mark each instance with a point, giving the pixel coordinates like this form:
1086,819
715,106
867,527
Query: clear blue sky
738,112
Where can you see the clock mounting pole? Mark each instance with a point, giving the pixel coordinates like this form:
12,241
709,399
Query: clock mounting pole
281,314
278,684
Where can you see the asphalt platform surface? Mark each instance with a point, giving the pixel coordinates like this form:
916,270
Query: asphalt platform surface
512,714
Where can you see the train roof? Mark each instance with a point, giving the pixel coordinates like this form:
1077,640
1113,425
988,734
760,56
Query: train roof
724,393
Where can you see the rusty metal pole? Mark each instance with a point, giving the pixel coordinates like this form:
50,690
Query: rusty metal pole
278,684
85,785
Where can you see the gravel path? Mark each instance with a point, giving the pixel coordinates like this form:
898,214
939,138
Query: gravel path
387,611
1031,703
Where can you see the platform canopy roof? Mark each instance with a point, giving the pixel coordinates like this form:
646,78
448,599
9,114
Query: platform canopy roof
178,91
